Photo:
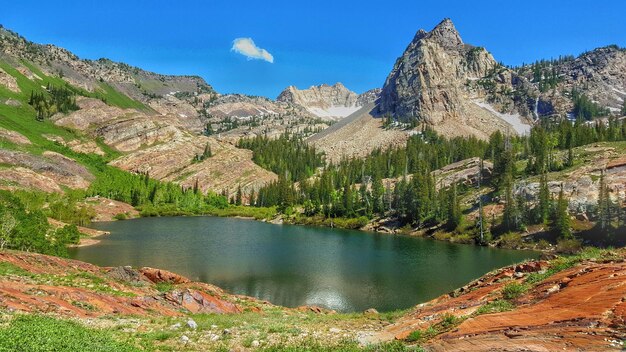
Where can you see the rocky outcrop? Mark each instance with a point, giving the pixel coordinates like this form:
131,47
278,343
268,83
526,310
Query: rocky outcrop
329,102
244,106
13,137
49,171
159,275
368,97
600,74
429,82
125,129
72,288
228,168
580,308
9,82
581,185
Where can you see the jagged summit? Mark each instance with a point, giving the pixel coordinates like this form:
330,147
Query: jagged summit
445,34
429,82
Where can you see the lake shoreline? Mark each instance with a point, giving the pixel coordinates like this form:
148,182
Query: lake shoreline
367,228
250,257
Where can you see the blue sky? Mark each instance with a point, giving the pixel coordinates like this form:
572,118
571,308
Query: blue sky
311,42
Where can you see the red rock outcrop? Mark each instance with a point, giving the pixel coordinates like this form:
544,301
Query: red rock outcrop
582,308
158,275
73,288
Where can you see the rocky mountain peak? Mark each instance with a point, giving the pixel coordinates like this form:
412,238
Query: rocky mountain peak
445,34
429,82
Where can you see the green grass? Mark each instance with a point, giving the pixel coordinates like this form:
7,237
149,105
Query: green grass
7,269
258,213
514,290
348,346
34,333
117,98
496,306
83,279
164,286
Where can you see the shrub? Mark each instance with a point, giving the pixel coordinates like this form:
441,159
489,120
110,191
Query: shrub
464,238
511,240
495,307
120,216
543,244
449,320
514,290
568,246
415,336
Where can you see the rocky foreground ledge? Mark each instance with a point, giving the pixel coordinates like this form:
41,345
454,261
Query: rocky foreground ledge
573,303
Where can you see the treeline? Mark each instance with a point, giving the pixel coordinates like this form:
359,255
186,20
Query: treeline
548,148
28,230
397,182
287,155
55,99
585,108
354,187
154,197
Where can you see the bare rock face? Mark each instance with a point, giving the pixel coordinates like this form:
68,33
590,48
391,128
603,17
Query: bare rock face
244,106
368,97
228,168
160,275
124,129
430,82
8,81
600,74
47,172
13,137
329,102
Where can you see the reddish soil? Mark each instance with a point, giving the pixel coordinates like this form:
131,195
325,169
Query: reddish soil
74,288
579,309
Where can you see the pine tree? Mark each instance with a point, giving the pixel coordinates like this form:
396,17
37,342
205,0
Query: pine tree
455,216
544,199
605,206
510,209
562,221
238,196
207,152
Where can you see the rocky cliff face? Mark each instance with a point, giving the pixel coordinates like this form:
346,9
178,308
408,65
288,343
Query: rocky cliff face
460,89
600,74
430,82
330,102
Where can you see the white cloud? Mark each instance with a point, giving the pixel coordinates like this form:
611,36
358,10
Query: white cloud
247,48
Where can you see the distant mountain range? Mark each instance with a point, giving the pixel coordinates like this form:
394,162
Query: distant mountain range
158,123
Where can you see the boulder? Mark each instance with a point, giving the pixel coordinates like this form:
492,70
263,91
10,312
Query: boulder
160,275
